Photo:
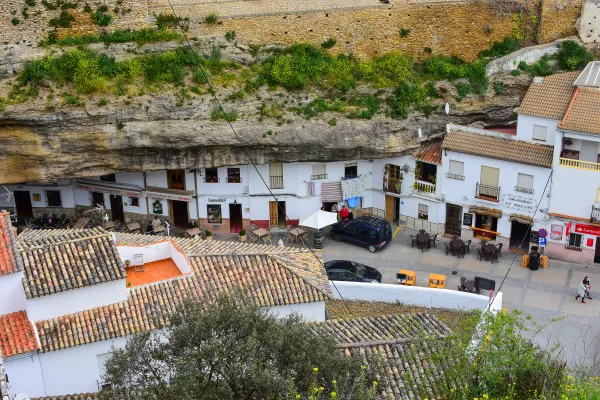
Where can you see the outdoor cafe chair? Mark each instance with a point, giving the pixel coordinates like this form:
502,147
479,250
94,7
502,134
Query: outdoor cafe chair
448,248
499,249
414,241
468,246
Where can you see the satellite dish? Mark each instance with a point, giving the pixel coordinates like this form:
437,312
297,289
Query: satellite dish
22,396
420,134
447,108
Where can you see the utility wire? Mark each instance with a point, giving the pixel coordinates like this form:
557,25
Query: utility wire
245,149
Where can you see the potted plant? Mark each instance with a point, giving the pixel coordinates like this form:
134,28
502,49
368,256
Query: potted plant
242,235
127,263
209,235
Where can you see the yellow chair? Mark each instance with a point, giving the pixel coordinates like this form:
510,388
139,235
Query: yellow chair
411,277
437,281
525,261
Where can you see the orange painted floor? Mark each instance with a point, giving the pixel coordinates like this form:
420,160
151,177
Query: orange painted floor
153,272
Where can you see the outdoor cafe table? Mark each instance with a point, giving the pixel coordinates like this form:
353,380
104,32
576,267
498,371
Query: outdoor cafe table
193,231
458,246
159,229
108,225
260,233
423,239
297,232
489,250
81,223
134,226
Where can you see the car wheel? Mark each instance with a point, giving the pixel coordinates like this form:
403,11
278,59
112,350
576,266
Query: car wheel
372,249
337,237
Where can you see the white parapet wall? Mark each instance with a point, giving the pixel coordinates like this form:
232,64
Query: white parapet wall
12,295
151,252
420,296
312,312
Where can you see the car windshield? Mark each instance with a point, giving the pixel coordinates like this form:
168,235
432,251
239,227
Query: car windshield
358,268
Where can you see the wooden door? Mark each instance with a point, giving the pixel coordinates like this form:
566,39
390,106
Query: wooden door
273,213
235,218
453,219
23,203
176,179
389,208
116,208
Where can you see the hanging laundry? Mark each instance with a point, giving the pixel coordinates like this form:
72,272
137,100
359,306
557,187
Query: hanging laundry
353,188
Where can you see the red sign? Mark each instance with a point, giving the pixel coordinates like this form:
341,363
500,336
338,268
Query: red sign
587,229
542,233
590,242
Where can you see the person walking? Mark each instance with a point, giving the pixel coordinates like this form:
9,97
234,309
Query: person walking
581,292
586,282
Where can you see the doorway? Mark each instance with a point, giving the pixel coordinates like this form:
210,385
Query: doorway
520,233
597,253
277,214
235,218
389,208
179,213
116,208
23,204
453,219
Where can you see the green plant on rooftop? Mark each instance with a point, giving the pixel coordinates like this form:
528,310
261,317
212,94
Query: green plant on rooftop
572,56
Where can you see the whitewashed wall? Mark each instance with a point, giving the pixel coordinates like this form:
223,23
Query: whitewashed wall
67,195
25,375
151,252
525,128
75,300
132,178
12,296
314,312
180,260
157,179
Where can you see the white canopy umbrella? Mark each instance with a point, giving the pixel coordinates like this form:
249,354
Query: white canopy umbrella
319,219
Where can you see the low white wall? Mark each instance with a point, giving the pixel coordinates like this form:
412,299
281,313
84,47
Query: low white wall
151,252
25,375
180,260
75,300
12,296
529,54
420,296
314,312
75,370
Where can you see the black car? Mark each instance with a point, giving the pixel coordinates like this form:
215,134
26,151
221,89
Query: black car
370,232
342,270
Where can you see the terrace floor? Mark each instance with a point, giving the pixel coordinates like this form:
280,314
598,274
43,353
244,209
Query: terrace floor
153,272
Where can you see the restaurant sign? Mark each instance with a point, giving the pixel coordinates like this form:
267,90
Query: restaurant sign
217,200
587,229
169,196
109,190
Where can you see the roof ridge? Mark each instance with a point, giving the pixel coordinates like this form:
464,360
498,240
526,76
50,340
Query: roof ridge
279,262
48,245
562,122
391,341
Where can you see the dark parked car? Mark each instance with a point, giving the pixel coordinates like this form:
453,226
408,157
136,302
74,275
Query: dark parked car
370,232
342,270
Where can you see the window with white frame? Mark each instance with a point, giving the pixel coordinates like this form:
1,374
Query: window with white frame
524,183
319,171
456,170
540,133
574,242
424,212
276,175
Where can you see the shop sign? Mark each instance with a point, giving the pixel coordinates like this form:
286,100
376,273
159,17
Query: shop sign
103,189
467,219
217,200
157,207
590,242
587,229
535,237
556,231
169,196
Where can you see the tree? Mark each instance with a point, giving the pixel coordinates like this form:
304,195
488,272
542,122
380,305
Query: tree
229,351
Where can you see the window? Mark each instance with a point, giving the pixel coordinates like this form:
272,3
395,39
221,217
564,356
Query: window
134,201
211,175
540,133
233,175
574,241
524,183
487,187
53,198
318,172
97,199
394,172
368,233
350,171
213,213
456,170
352,229
108,178
276,175
424,212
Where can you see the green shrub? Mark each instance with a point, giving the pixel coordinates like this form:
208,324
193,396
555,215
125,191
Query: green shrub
64,20
366,105
428,50
236,96
442,67
15,21
522,66
227,116
320,105
271,110
24,13
500,49
30,3
87,8
329,43
164,21
515,72
102,18
572,56
463,89
500,87
406,97
477,78
211,19
404,32
388,70
541,67
332,122
230,36
102,102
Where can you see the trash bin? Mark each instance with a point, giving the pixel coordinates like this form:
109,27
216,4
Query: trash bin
318,240
534,261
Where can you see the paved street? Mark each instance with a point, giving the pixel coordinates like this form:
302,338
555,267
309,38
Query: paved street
545,294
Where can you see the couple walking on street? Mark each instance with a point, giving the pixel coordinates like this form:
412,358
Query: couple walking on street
584,290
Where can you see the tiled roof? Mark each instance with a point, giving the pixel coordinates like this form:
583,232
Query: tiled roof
499,148
549,99
69,259
430,152
583,114
267,279
16,334
80,396
10,261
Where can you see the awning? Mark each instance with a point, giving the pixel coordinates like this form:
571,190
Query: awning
169,194
522,219
492,212
331,192
120,189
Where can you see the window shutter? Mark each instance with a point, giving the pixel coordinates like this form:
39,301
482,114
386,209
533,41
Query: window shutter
525,181
318,169
457,168
489,176
276,169
540,132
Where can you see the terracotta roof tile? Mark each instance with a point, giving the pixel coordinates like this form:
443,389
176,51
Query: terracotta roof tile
583,114
500,148
80,396
430,152
16,334
10,260
549,99
68,259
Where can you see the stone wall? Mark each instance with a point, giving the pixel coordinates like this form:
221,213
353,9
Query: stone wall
558,19
589,23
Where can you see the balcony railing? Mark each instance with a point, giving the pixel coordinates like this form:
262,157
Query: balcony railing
586,165
455,176
485,192
424,187
574,246
595,218
317,177
211,179
392,185
276,182
234,179
523,190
